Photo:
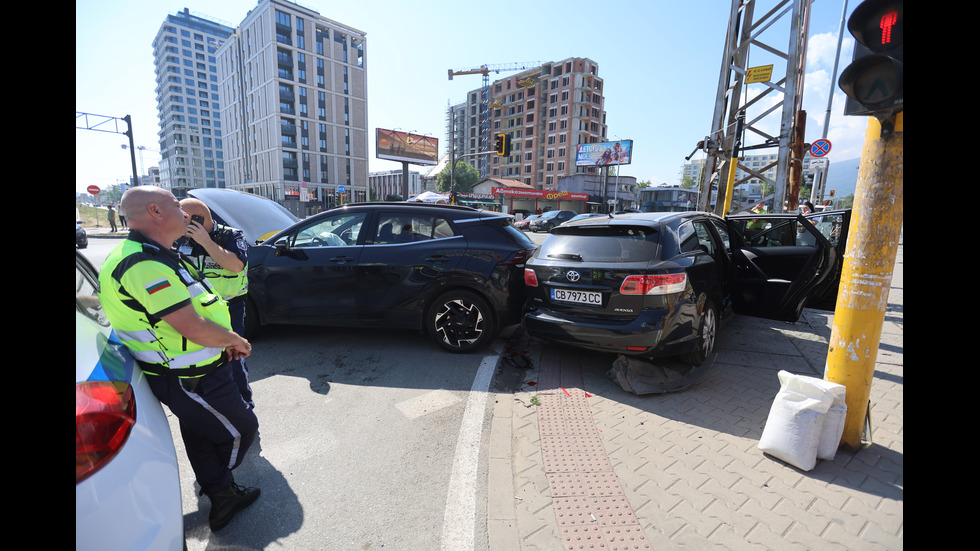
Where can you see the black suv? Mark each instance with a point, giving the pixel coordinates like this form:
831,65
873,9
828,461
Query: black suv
656,284
456,273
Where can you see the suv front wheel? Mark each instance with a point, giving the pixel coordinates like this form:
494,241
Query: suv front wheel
460,321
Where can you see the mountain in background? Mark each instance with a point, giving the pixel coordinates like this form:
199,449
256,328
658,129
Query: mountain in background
842,177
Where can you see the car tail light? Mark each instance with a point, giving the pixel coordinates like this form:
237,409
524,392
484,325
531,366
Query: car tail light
660,284
520,257
105,412
530,278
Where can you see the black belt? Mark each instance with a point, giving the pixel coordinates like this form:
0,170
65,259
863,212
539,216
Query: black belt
190,372
239,298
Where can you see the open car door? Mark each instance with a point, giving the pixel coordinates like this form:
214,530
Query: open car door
779,263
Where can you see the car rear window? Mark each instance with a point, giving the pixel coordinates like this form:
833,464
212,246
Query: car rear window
517,235
602,244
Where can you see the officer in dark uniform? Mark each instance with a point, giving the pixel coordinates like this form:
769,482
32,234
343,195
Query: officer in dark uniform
179,331
221,254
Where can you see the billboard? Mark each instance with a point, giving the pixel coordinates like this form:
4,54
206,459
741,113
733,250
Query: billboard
410,148
604,153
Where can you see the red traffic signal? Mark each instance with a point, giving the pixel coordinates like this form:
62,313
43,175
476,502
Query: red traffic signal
873,81
503,145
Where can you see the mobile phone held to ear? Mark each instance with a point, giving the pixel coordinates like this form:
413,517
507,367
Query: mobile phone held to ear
199,219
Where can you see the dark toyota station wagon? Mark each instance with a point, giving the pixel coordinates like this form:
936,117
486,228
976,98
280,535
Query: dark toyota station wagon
657,284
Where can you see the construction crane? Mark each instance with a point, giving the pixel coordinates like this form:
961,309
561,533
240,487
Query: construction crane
485,70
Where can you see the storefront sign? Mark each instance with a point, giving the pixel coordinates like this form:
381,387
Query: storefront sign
540,193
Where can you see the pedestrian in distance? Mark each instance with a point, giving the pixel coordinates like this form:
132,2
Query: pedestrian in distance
220,253
178,329
112,218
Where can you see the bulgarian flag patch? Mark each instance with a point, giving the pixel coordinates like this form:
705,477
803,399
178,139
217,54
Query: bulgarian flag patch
157,285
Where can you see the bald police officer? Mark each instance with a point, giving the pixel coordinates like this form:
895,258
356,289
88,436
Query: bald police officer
179,330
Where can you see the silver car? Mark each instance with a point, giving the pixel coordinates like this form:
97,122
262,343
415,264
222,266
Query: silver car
127,490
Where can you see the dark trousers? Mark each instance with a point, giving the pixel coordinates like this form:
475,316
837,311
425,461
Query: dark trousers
216,425
239,369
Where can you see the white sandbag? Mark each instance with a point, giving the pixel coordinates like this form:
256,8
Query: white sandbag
795,427
833,422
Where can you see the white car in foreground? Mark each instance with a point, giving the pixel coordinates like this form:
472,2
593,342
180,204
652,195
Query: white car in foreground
127,489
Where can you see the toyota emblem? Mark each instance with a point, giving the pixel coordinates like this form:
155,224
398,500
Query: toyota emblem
573,276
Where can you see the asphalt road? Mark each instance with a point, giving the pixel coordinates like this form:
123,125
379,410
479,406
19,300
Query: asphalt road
369,439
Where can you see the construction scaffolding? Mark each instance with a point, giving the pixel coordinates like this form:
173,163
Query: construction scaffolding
483,166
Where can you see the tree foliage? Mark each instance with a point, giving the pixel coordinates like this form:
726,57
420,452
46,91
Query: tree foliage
466,177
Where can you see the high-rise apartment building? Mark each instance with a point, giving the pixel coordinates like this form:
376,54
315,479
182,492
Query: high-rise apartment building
188,103
547,111
294,90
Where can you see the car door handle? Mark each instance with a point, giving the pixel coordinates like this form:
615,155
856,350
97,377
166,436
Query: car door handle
342,259
437,258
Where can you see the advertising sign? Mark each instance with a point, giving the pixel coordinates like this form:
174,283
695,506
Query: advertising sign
405,147
604,153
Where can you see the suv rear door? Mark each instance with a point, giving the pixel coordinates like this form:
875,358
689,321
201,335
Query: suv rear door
409,252
779,262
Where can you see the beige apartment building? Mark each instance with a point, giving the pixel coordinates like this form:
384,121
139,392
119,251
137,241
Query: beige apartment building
294,90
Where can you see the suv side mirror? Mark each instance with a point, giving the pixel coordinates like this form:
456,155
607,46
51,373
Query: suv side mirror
283,249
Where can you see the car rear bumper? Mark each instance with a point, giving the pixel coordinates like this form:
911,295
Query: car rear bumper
643,336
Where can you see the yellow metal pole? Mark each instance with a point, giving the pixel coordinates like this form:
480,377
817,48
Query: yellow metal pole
733,164
730,185
872,244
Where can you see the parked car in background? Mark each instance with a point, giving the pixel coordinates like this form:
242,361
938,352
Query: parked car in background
127,491
549,220
656,284
525,223
81,237
454,273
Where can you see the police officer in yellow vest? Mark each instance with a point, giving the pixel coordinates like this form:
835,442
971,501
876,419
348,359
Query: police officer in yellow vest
179,330
221,254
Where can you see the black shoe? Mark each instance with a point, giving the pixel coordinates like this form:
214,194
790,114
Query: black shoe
226,502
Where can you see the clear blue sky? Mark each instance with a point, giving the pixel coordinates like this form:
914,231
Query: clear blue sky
660,60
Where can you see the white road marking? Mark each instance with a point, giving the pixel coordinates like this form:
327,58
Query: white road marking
429,402
459,522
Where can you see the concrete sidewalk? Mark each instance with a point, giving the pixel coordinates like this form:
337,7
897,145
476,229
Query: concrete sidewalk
576,462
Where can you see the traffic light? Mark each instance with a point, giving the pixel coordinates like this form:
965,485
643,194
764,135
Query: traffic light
873,80
503,145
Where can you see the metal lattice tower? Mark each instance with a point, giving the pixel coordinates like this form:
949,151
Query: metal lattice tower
746,36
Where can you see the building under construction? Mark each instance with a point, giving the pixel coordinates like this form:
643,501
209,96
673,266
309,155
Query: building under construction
547,109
